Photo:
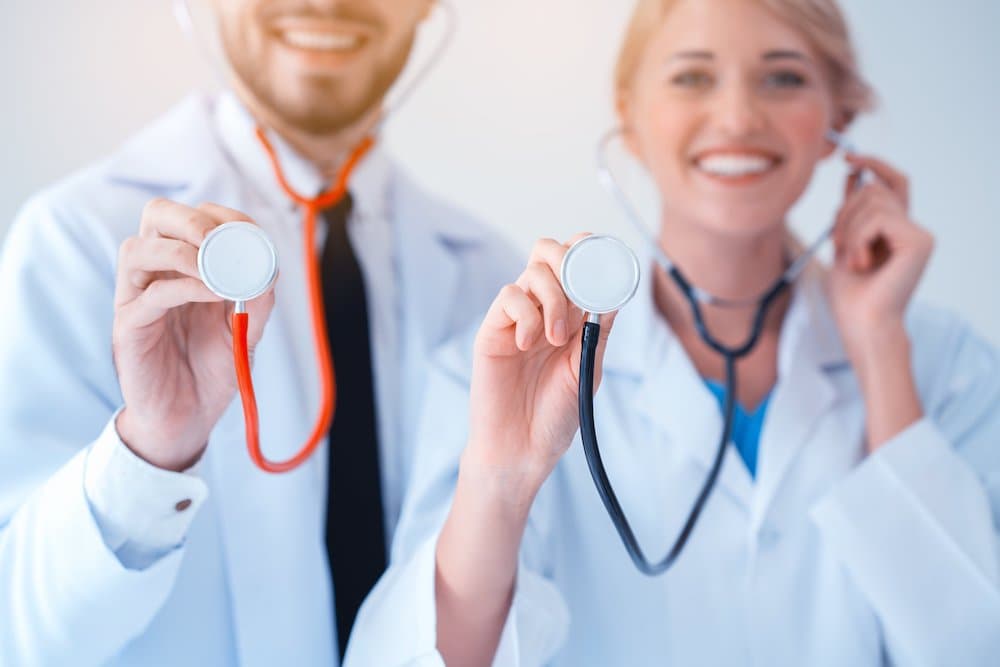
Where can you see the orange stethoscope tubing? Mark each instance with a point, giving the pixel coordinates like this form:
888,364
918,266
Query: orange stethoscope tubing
312,206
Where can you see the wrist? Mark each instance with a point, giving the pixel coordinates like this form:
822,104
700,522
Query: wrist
880,349
507,487
156,448
885,373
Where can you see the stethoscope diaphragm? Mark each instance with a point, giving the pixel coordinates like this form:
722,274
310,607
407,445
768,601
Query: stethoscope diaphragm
599,274
238,261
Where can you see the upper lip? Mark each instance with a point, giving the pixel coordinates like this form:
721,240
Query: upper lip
318,25
749,151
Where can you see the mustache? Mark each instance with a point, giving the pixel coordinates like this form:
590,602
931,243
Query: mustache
349,12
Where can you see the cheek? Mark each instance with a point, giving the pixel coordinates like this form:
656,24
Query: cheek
804,125
663,130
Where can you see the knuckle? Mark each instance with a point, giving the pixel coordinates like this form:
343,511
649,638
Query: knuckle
541,245
197,221
127,248
509,291
179,254
154,206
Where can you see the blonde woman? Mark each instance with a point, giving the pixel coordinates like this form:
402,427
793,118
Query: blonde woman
855,519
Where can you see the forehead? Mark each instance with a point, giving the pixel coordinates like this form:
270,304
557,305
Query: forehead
745,28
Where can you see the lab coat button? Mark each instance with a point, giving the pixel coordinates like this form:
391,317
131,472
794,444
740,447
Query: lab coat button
183,505
768,537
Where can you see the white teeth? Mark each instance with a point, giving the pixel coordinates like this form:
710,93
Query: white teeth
321,41
735,165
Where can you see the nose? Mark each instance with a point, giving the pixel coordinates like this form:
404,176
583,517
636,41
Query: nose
737,111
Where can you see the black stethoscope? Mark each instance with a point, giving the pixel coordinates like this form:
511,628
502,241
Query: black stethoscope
600,274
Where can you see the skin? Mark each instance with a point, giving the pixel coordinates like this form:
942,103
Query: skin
172,342
722,75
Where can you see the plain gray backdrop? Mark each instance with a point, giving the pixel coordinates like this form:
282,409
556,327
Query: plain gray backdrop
506,125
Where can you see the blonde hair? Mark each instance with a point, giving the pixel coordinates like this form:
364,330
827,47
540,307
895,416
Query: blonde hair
821,21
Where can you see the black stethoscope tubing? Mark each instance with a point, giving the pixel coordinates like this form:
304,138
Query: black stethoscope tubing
588,430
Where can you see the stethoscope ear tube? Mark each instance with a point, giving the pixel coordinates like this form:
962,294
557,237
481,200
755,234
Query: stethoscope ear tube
588,434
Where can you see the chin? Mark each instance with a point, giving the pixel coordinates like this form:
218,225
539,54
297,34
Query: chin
739,221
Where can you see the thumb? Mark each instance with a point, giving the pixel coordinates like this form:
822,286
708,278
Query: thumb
607,323
258,312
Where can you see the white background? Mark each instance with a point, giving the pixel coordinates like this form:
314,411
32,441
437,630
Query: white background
506,125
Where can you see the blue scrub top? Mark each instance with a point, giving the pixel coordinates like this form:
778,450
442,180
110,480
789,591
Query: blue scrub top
746,425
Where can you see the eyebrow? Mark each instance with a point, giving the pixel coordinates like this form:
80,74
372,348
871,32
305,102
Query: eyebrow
781,54
777,54
698,55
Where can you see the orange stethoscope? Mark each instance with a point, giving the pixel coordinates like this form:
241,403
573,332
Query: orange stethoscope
238,262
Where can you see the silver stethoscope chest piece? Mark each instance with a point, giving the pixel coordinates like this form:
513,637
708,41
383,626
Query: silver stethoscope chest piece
599,274
237,261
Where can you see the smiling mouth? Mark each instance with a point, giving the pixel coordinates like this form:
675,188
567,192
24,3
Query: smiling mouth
326,41
736,166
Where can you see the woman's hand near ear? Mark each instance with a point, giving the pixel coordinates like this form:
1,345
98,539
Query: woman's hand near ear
881,253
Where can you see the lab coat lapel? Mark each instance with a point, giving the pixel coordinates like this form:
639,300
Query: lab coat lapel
428,282
809,351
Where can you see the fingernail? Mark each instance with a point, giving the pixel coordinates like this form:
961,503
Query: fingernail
559,330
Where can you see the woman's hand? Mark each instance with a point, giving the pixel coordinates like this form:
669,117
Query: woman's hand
523,416
881,254
523,409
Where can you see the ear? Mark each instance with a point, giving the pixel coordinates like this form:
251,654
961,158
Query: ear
624,107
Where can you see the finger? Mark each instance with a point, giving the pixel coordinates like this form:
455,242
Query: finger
258,312
514,308
607,323
895,179
873,236
168,219
539,281
853,201
162,295
872,193
141,259
549,252
222,214
852,182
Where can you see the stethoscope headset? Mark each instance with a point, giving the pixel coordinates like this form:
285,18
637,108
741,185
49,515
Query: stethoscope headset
238,261
600,274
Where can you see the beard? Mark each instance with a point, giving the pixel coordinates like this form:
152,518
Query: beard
320,104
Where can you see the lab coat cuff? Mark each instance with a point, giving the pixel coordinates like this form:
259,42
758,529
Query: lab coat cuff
913,528
916,468
143,511
74,573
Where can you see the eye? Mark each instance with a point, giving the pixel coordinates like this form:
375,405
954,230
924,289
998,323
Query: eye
692,79
784,79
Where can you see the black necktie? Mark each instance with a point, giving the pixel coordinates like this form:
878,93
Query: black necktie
355,535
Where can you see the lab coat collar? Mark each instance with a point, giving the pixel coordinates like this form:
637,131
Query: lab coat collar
236,129
673,396
179,140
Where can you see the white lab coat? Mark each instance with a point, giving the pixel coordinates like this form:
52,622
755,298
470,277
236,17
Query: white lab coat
830,557
250,585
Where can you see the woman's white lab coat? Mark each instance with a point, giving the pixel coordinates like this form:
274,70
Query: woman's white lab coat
250,585
830,557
